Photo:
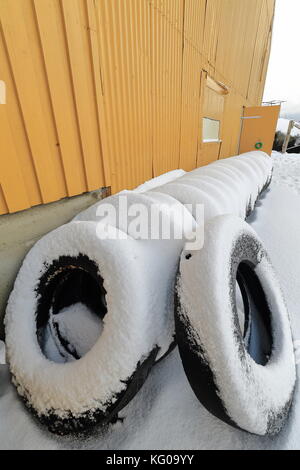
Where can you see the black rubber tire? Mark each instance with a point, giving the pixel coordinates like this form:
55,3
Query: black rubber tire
69,265
247,384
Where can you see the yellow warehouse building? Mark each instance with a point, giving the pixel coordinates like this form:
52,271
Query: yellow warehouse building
109,93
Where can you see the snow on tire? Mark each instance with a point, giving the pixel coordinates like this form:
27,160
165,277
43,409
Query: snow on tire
247,180
246,380
260,162
163,252
159,180
234,178
70,267
191,196
228,186
218,187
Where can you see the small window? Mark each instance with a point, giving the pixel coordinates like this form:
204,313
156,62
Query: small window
211,130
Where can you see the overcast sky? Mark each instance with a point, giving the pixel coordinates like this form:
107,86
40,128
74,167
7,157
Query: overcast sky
283,79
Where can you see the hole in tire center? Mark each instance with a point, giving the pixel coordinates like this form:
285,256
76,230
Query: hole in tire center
240,306
253,313
71,309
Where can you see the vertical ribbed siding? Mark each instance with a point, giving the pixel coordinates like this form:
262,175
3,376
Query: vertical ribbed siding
79,56
191,120
53,41
195,14
21,145
10,168
166,55
193,63
125,61
259,55
20,40
109,92
46,62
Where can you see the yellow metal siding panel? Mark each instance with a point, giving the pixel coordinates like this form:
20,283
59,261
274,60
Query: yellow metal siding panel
248,34
191,119
264,68
93,28
53,43
125,60
76,26
208,153
271,7
213,15
167,76
256,82
171,10
192,64
213,105
194,18
51,99
32,95
233,111
16,122
15,194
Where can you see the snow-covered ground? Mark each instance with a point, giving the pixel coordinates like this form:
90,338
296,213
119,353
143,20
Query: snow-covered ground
165,414
287,170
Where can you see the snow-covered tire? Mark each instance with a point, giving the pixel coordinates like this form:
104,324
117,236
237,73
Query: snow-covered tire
163,253
191,196
259,162
73,396
169,208
217,187
262,158
248,179
235,178
228,186
159,180
246,384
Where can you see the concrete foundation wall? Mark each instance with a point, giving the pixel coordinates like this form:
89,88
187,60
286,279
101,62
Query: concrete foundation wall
19,232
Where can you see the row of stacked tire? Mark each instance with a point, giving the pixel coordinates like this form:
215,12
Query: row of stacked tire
149,295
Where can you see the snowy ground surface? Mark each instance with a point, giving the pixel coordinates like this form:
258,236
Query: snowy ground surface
165,414
287,170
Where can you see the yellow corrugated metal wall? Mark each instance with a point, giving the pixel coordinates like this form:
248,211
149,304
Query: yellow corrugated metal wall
110,92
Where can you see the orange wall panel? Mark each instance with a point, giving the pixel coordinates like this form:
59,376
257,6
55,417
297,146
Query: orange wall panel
259,126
